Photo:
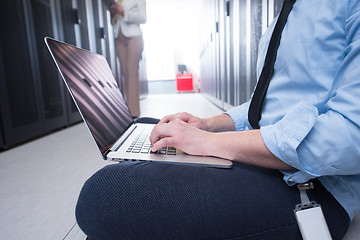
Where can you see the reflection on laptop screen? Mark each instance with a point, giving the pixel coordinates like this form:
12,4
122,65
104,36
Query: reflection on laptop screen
96,93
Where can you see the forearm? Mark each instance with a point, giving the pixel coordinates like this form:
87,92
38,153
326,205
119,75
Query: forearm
246,147
219,123
194,136
117,10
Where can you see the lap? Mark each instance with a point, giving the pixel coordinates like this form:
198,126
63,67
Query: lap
168,201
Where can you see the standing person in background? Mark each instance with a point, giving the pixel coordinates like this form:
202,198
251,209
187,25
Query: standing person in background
126,17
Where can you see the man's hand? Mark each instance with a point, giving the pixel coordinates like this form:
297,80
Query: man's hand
117,9
185,117
219,123
181,135
186,132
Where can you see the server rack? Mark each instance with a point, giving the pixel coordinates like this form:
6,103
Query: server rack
233,26
242,64
256,25
67,19
1,80
33,98
276,8
223,60
81,24
228,83
19,104
1,139
42,23
229,76
210,51
98,27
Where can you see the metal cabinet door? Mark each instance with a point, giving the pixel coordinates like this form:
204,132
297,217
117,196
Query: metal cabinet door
52,92
256,23
19,106
1,137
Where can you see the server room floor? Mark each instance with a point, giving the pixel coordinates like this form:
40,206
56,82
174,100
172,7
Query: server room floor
40,180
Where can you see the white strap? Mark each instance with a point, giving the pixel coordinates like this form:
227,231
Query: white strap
304,198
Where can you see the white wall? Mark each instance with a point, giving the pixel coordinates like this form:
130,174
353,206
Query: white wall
171,37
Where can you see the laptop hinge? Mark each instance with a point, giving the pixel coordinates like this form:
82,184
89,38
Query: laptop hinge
122,139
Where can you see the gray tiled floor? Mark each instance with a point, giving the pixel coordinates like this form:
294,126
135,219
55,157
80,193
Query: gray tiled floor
40,180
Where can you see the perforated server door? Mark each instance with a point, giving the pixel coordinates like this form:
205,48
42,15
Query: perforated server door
82,24
19,106
256,22
69,18
52,91
223,61
233,26
242,65
1,138
277,6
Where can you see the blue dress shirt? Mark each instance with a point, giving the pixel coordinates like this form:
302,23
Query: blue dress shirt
311,113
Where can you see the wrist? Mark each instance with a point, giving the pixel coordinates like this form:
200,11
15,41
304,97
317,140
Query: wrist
206,125
220,123
209,145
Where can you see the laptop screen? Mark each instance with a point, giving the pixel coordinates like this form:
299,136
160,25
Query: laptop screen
94,90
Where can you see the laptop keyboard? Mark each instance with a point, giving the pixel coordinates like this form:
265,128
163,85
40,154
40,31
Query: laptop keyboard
141,144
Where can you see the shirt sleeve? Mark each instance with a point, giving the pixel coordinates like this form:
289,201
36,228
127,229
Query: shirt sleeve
325,139
239,115
136,14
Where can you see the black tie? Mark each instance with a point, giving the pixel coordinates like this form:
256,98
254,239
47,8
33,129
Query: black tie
254,114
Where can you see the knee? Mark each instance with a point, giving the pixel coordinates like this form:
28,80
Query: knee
93,210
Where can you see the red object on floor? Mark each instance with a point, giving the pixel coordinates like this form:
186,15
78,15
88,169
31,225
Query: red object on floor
184,82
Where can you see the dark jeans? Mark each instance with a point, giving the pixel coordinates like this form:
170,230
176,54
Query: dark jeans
134,200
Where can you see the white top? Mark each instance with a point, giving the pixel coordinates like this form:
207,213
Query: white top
134,15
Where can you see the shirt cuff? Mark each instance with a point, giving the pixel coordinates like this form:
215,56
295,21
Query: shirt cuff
284,137
239,116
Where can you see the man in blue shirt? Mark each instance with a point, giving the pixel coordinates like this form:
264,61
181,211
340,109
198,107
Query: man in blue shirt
310,129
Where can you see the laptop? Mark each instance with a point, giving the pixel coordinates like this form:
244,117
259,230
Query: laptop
98,98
